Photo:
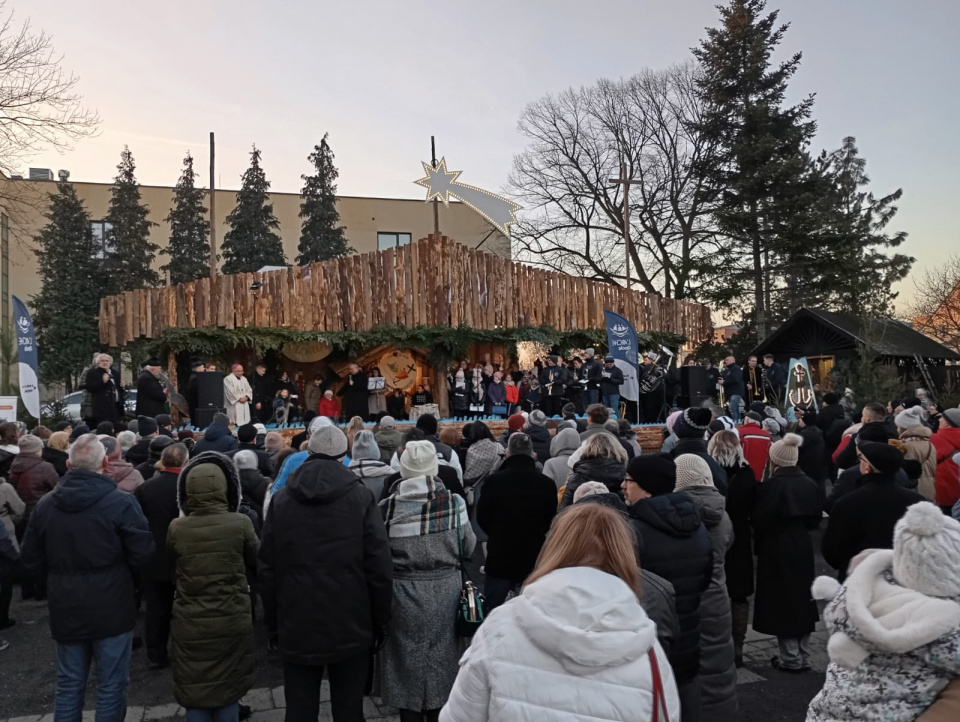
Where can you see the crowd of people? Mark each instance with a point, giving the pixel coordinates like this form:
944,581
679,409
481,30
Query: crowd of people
617,583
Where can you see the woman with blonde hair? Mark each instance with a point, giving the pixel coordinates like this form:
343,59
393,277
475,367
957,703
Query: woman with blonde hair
55,451
577,626
355,425
601,458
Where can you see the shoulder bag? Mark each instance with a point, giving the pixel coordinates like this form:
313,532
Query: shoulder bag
472,607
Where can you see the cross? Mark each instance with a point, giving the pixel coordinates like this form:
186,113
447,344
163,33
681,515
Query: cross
626,183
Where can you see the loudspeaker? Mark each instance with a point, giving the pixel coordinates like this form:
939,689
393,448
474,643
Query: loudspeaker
690,402
209,390
693,381
205,416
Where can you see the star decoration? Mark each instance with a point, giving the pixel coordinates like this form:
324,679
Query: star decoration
439,181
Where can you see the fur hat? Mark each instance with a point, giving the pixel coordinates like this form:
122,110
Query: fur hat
886,459
926,551
692,471
785,452
692,423
909,418
953,417
537,418
654,473
419,459
328,441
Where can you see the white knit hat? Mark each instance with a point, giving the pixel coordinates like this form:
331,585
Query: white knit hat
692,471
785,452
926,551
910,418
419,459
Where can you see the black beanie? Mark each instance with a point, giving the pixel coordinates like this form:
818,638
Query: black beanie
146,426
809,417
692,423
428,424
884,458
831,398
157,445
246,433
874,431
654,473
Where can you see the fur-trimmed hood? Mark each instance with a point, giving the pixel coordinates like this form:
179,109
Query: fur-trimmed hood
234,491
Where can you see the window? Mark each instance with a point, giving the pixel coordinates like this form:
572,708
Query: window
102,244
392,240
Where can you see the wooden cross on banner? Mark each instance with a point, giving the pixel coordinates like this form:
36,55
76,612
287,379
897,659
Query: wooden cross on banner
626,183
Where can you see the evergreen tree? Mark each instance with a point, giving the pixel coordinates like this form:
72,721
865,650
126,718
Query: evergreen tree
189,247
760,166
66,308
129,263
321,238
252,242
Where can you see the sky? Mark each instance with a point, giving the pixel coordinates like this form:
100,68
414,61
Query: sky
382,76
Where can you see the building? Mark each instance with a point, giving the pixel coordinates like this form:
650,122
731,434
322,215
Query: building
725,333
371,224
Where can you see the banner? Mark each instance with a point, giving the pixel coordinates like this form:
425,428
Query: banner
27,356
622,340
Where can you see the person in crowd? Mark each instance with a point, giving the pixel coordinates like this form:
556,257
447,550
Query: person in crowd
273,443
213,546
496,396
832,420
718,674
755,442
237,396
570,412
585,587
591,373
812,457
105,428
772,427
90,585
602,459
676,546
247,441
946,442
451,437
12,509
125,438
515,511
553,378
188,439
366,464
885,663
324,519
515,425
157,497
9,446
262,390
447,474
915,434
388,438
127,478
536,429
459,395
596,417
31,476
253,484
9,555
845,455
150,466
355,392
461,448
611,379
670,438
152,395
429,534
851,479
725,448
788,508
217,436
562,447
483,457
284,408
355,425
612,427
55,450
148,431
690,429
106,391
865,517
313,394
628,434
428,424
164,425
731,378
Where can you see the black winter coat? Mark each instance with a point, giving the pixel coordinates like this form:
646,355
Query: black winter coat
264,459
515,511
106,397
158,500
592,371
851,480
698,447
55,457
788,508
610,381
741,500
677,547
733,384
812,456
356,397
552,380
254,485
217,437
864,519
139,452
540,436
151,401
609,472
326,573
89,584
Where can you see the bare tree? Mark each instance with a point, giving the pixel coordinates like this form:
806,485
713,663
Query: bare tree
936,306
574,217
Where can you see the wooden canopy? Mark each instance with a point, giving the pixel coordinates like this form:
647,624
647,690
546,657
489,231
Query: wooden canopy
434,282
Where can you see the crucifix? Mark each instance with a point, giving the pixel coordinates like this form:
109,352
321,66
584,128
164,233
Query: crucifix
626,183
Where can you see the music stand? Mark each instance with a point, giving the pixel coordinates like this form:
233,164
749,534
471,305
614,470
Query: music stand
376,383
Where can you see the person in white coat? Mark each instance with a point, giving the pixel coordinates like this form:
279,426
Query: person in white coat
576,644
237,395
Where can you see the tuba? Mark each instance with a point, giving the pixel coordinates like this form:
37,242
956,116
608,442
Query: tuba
653,377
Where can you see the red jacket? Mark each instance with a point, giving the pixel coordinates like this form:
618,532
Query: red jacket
755,441
946,442
329,407
513,395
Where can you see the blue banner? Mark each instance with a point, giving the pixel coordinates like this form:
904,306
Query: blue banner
27,356
622,341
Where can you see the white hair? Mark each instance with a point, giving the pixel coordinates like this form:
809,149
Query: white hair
245,459
87,453
126,439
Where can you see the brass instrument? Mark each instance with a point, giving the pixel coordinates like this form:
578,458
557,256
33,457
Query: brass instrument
753,385
723,400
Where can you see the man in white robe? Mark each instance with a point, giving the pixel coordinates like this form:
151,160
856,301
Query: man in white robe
236,396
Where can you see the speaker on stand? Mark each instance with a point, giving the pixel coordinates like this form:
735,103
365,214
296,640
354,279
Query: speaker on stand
209,398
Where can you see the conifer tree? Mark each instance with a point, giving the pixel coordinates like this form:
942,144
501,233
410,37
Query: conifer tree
252,241
189,247
321,236
129,262
67,306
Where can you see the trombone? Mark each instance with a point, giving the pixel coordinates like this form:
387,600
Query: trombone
753,385
723,400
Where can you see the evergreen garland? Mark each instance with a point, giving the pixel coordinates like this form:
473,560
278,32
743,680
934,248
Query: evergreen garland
321,236
189,247
252,241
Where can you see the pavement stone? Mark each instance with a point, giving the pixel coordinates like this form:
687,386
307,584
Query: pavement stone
29,718
134,714
270,715
259,699
745,676
279,697
325,690
161,711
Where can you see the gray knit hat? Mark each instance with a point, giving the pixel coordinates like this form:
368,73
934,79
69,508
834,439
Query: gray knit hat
537,418
952,416
328,441
926,551
365,446
910,418
785,452
692,470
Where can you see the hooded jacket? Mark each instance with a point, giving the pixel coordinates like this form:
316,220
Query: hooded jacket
89,586
609,472
127,477
217,437
372,473
32,477
326,573
541,439
388,440
920,449
574,645
561,449
214,545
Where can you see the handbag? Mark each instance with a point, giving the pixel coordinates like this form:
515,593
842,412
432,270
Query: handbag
472,607
659,698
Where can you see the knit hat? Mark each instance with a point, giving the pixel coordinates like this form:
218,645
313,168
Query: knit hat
692,423
419,459
692,471
809,417
758,406
328,442
874,431
569,410
388,422
772,426
80,430
909,418
537,418
62,426
146,426
365,446
163,420
566,424
589,488
608,359
910,402
953,417
654,473
428,424
516,422
754,417
784,452
30,445
885,458
261,429
926,551
672,419
590,353
246,433
157,445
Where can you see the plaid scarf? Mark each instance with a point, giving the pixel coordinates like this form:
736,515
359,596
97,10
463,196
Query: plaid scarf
420,506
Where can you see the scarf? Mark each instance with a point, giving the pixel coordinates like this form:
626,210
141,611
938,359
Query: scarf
420,506
483,457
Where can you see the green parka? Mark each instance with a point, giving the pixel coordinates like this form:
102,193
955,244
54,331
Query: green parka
214,662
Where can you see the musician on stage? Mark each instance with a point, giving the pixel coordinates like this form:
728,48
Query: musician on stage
731,378
611,379
553,378
753,381
591,372
775,379
713,378
651,402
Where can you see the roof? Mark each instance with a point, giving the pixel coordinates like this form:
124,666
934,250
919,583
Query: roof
798,335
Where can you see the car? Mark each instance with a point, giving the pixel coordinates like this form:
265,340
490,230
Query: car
71,404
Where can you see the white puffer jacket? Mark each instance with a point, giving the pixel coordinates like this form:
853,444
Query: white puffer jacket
572,646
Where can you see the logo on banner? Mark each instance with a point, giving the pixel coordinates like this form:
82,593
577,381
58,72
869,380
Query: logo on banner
23,324
619,330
